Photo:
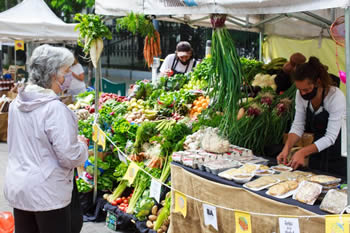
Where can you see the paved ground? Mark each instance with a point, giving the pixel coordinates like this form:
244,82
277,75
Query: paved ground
87,227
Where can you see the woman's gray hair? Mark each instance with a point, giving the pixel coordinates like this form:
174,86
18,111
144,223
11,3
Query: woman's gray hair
45,63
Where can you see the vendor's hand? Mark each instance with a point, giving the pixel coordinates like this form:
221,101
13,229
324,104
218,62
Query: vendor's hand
169,72
282,157
297,160
83,139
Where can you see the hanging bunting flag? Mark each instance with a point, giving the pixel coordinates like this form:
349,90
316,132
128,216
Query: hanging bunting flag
337,224
180,203
289,225
155,189
243,222
19,45
122,158
95,132
102,138
210,217
131,173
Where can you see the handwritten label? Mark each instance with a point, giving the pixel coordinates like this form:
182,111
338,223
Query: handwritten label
289,225
210,217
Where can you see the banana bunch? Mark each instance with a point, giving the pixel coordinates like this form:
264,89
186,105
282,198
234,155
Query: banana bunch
150,114
165,125
275,64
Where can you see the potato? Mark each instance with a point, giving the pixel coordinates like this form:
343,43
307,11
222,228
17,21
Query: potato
154,210
160,230
166,222
149,224
105,196
152,217
162,202
165,228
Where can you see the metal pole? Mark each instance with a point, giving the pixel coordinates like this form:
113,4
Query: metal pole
261,37
15,78
97,83
347,58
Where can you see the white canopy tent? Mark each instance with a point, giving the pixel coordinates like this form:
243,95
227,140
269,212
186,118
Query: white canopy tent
296,18
33,21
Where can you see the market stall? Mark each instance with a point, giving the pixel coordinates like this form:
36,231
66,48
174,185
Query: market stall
151,125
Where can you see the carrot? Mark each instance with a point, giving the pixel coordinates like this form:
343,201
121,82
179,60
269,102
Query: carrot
145,49
158,43
155,52
151,52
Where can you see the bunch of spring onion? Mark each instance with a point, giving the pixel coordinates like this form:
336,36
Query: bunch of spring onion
227,79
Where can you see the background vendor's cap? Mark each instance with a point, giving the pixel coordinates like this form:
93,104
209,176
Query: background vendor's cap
183,48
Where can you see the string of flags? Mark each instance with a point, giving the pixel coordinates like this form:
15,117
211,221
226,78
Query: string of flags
287,223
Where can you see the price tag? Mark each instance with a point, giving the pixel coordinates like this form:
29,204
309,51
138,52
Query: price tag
210,217
155,189
289,225
131,173
337,224
122,158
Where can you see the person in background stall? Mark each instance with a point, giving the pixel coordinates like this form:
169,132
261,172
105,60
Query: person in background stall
180,62
320,108
44,148
77,84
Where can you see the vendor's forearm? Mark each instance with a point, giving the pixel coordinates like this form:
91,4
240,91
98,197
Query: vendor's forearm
292,139
308,150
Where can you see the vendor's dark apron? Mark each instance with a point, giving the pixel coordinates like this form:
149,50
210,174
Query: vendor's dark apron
328,160
176,60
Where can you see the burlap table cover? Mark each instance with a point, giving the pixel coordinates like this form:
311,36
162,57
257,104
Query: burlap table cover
235,198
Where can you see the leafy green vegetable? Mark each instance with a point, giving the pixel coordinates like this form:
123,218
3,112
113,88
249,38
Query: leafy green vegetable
83,186
136,23
90,27
145,131
143,208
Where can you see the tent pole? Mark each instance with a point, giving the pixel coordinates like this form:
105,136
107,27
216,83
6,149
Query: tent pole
261,37
15,78
97,83
347,58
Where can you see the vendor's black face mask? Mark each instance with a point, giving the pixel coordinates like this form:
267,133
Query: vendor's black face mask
310,95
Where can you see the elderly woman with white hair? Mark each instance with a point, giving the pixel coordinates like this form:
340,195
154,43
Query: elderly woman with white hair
44,147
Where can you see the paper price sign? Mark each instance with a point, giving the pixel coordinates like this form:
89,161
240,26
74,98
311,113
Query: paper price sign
243,222
155,189
289,225
337,224
131,173
210,217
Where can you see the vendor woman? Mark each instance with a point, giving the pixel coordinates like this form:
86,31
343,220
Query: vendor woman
320,109
180,62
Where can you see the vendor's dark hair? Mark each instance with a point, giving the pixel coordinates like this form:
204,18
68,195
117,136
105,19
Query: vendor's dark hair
312,70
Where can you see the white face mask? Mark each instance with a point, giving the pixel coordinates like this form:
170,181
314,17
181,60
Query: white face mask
67,79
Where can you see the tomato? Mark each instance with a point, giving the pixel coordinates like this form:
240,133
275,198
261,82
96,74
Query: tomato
114,203
123,198
122,208
129,197
126,201
119,200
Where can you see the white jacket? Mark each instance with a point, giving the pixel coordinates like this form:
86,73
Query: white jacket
43,150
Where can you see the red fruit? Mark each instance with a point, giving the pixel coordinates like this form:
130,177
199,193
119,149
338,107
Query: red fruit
114,203
119,200
92,110
123,198
87,107
126,201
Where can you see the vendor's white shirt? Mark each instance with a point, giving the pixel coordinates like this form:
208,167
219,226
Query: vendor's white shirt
75,83
43,150
334,103
168,62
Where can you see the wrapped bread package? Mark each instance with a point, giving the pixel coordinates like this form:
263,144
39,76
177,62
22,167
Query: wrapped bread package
283,188
334,202
324,180
307,192
261,182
